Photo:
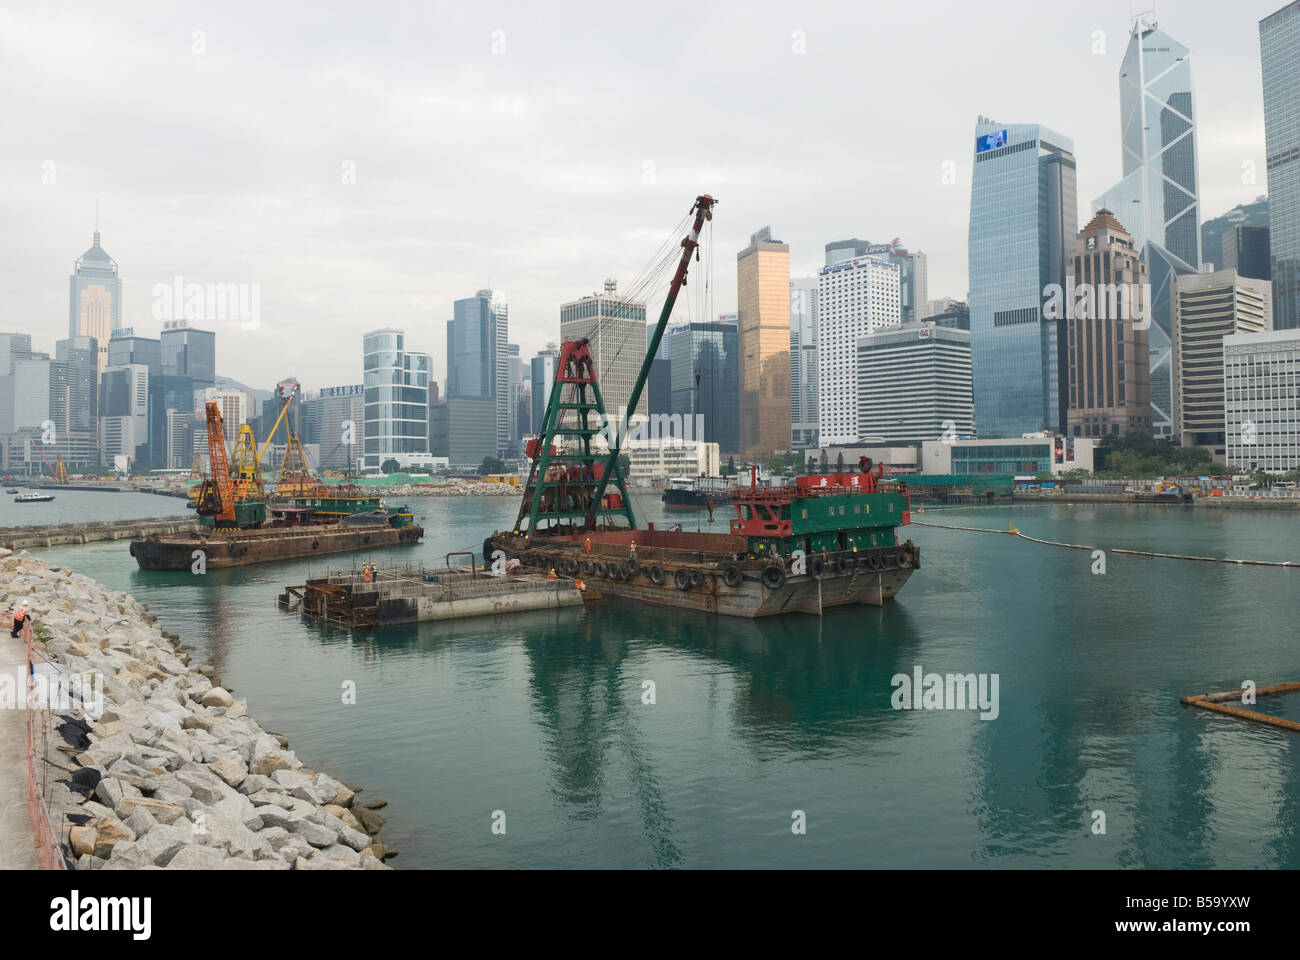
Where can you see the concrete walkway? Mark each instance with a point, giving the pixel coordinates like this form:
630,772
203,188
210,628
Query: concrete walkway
17,847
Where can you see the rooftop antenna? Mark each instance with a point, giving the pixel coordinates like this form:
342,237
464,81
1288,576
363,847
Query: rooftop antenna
97,221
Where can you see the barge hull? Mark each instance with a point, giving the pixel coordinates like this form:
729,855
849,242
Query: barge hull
709,592
242,549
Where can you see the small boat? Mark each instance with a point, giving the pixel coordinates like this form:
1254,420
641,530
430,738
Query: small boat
34,498
12,490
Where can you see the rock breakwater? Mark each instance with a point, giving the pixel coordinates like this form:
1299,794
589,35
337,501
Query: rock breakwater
154,764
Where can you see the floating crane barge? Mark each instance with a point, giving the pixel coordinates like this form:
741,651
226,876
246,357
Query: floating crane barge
826,541
234,529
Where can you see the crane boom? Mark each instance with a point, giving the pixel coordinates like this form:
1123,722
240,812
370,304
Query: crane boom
286,398
220,468
703,211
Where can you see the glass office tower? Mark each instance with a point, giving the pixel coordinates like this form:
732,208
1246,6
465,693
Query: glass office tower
1157,199
1023,219
1279,48
396,399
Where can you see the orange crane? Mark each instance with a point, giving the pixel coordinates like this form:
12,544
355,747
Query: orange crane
216,496
59,472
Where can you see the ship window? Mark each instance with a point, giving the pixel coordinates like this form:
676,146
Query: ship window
805,514
841,511
857,508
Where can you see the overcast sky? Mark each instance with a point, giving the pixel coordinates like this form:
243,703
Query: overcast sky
535,148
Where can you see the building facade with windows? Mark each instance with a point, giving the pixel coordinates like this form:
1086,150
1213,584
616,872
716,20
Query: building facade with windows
1261,389
1279,47
616,327
1107,320
1023,221
396,383
763,329
855,298
914,383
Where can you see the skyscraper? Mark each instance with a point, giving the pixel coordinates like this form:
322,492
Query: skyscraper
705,380
478,363
616,327
763,319
914,383
124,413
541,379
1107,362
854,298
803,362
912,279
1279,49
1207,308
125,349
1023,219
396,400
95,299
1157,199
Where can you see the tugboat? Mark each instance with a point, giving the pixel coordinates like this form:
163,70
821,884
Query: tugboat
826,541
696,493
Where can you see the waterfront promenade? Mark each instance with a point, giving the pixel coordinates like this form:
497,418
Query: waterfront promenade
17,848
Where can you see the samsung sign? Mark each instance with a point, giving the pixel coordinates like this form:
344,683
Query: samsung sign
352,391
991,141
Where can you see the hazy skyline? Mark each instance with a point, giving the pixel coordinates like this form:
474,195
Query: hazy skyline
502,146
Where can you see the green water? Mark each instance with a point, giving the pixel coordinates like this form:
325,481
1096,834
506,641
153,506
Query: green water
541,715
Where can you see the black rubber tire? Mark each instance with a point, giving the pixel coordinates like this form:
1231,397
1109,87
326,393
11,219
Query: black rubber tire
731,575
632,566
874,561
817,568
587,568
843,565
861,562
315,544
682,580
601,568
697,578
773,577
656,574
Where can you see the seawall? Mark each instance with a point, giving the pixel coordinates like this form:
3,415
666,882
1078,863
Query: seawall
21,538
162,767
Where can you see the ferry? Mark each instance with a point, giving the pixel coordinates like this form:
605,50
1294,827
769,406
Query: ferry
33,497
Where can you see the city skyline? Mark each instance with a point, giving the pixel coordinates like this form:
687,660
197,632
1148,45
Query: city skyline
420,226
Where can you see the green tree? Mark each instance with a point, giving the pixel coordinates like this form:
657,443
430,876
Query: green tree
777,464
491,465
823,465
839,462
389,466
730,469
624,465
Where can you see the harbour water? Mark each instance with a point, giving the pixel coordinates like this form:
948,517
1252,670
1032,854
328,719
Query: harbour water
542,716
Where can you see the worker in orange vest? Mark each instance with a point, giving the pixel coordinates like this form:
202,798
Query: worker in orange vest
365,572
20,615
549,576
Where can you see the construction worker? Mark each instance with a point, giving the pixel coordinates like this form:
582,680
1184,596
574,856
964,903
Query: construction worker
580,585
365,572
20,615
549,576
587,545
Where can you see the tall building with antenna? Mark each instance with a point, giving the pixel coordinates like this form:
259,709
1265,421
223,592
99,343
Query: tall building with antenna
1158,199
95,298
616,327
